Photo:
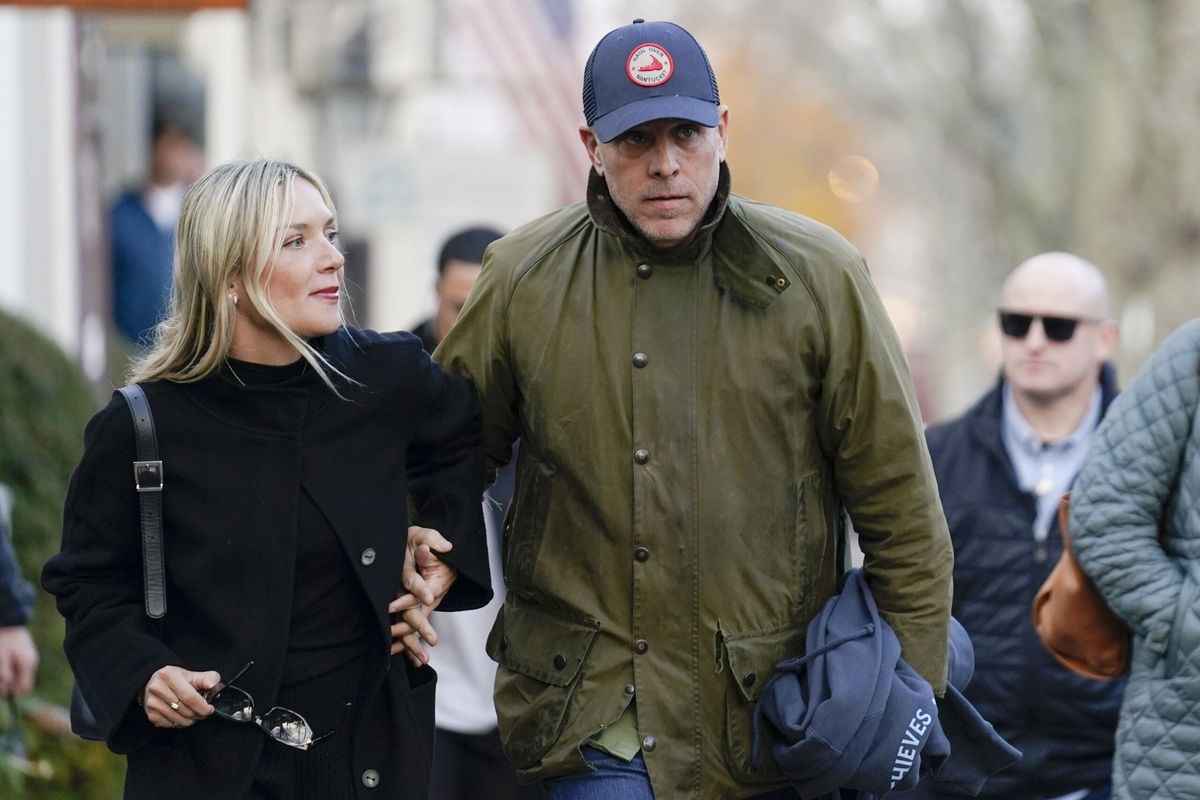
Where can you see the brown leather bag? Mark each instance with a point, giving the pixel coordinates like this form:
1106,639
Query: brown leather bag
1073,620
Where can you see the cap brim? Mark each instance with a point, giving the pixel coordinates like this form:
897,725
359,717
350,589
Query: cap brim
639,112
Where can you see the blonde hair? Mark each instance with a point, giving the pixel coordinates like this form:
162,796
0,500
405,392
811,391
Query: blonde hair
230,225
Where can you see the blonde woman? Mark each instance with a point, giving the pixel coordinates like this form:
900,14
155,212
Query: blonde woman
292,446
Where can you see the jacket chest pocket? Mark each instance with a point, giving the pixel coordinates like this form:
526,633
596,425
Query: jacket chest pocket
541,656
1183,643
750,659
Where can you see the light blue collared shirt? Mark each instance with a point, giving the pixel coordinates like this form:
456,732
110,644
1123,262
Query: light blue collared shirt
1046,469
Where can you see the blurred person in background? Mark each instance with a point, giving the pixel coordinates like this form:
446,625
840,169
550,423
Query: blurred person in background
142,230
18,654
468,761
458,265
290,444
1001,470
700,384
1135,525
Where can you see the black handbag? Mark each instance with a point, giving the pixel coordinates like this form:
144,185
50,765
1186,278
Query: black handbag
148,482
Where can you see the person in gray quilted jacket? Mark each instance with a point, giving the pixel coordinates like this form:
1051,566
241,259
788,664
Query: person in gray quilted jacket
1135,521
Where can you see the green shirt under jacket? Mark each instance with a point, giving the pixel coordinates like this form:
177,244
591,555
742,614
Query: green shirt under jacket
688,427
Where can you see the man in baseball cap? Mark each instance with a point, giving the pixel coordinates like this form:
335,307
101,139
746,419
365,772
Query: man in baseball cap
701,384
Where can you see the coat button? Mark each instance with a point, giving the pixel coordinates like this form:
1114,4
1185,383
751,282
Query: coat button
749,680
644,271
370,779
641,554
503,642
368,557
641,456
640,360
560,661
630,688
648,744
641,646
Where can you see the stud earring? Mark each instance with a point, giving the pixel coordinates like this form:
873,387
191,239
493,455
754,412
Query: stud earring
233,296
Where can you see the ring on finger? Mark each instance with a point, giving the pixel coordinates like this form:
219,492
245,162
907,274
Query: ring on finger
174,705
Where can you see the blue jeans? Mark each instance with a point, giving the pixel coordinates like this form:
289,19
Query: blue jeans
614,779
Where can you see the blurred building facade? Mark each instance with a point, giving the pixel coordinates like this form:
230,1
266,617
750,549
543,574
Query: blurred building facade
422,115
948,140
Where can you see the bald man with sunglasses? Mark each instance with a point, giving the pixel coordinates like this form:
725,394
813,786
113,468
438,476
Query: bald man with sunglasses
1001,468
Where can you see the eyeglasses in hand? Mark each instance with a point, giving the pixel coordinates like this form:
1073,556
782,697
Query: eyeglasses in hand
281,724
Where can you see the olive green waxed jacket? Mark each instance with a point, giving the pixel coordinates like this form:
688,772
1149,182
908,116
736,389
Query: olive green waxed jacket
689,426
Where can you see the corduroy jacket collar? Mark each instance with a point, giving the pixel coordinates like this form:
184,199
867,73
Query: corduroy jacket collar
742,266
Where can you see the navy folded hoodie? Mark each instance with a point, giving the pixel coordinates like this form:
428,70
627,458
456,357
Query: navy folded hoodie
852,714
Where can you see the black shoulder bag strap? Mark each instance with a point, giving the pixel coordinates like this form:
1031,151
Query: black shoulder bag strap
148,480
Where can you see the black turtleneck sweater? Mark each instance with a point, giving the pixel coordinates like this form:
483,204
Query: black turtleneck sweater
331,621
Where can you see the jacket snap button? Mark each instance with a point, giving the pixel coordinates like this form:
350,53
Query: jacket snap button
368,557
748,681
560,661
503,642
648,744
641,456
641,554
641,646
640,360
370,779
630,688
644,271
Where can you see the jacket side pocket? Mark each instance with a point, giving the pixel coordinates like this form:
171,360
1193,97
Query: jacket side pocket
1184,640
418,704
750,659
541,655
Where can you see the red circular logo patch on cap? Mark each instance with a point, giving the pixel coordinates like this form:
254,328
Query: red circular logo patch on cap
649,65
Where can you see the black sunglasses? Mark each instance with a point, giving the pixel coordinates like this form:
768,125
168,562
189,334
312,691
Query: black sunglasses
281,724
1057,329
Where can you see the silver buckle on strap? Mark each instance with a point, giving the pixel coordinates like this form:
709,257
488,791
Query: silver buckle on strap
148,476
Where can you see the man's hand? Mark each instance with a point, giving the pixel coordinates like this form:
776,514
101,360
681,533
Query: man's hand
427,579
18,661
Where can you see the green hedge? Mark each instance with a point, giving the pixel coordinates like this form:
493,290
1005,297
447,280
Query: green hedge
44,403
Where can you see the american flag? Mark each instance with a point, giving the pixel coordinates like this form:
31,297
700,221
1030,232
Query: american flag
529,46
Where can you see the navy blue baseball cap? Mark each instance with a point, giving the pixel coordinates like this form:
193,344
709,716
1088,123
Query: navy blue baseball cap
647,71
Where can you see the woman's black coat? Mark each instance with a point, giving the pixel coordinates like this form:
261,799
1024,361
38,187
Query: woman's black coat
234,459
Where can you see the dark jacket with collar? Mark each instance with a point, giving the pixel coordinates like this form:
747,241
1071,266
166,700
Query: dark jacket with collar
691,427
235,458
141,267
16,595
425,332
1062,723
